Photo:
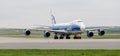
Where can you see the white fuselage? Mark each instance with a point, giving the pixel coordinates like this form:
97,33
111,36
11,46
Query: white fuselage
73,27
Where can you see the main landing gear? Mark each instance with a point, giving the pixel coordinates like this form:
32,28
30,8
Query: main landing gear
67,37
55,37
61,37
77,37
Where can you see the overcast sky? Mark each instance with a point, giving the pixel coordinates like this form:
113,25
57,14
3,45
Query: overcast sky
24,13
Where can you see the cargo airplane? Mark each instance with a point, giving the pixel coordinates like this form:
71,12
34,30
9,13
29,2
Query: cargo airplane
65,30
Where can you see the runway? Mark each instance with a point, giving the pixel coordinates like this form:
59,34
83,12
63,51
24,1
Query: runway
37,43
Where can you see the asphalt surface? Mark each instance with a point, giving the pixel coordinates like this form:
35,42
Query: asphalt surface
37,43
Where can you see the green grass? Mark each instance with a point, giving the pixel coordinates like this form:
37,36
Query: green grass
34,52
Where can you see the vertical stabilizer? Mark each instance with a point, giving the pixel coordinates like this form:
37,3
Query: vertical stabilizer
53,19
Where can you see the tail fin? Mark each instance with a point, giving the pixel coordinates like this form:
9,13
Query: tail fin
53,19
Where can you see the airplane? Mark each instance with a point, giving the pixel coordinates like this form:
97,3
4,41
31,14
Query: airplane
62,30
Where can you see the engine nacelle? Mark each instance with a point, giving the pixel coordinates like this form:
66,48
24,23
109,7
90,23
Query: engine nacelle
90,34
46,34
27,32
101,32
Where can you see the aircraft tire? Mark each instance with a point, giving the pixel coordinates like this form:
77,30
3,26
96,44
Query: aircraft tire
55,37
79,37
67,37
61,37
75,37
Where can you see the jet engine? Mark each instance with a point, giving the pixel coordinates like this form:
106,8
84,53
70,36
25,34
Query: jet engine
101,32
27,32
46,34
90,34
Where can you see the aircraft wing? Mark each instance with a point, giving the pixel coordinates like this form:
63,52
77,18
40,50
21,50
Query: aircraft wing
91,29
42,26
56,31
49,30
94,29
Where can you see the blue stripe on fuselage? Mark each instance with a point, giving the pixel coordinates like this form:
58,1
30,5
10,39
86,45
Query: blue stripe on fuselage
60,27
67,27
75,28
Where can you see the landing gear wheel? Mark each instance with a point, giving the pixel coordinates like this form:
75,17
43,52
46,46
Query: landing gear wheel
75,37
67,37
79,37
61,37
55,37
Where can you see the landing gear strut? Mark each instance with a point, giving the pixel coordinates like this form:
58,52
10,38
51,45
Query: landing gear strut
55,37
61,37
67,37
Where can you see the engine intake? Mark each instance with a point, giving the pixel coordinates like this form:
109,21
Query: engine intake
46,34
27,32
90,34
101,33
